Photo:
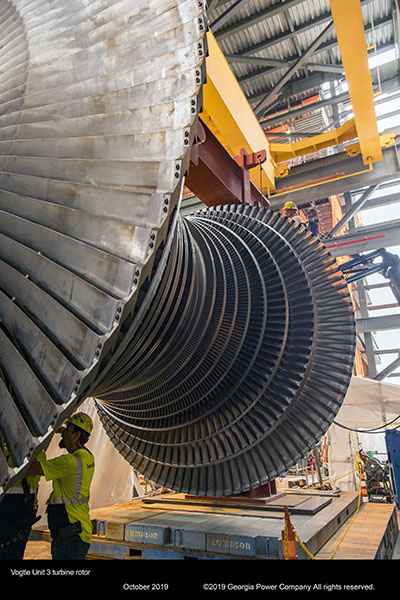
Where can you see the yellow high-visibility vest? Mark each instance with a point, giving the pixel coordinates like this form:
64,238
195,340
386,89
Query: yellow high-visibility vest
72,476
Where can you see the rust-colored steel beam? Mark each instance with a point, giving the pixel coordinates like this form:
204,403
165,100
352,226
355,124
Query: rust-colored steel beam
217,178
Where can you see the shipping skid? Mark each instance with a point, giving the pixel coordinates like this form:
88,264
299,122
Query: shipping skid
180,527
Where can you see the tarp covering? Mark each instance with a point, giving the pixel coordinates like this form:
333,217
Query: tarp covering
368,405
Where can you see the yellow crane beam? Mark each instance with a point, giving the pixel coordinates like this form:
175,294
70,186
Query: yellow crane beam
230,117
228,114
344,133
349,26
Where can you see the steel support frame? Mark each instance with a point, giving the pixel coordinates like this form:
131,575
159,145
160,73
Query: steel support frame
271,119
382,323
228,14
365,239
388,370
328,45
298,112
357,206
259,17
344,133
382,201
348,203
280,63
310,50
367,336
331,169
284,36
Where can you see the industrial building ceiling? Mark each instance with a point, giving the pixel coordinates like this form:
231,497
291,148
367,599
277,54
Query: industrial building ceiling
286,56
289,64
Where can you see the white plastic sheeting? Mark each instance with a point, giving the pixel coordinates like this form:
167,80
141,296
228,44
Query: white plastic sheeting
113,478
368,405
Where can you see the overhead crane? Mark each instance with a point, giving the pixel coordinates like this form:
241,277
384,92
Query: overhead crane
227,113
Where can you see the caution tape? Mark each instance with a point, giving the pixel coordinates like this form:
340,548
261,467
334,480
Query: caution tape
286,543
304,546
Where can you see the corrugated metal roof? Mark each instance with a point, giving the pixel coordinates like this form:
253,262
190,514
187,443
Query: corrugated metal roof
283,31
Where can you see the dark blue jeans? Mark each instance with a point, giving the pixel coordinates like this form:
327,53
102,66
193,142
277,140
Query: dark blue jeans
71,548
14,548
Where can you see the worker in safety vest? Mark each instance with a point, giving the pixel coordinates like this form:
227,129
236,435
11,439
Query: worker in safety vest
68,506
17,515
290,210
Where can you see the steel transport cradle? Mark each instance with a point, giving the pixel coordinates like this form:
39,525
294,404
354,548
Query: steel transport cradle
182,528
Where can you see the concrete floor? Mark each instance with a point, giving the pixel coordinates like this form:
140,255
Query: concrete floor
37,551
